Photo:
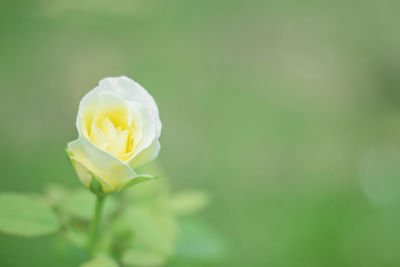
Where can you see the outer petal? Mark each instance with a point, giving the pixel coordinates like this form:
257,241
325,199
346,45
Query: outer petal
86,110
146,155
107,167
133,91
148,128
86,176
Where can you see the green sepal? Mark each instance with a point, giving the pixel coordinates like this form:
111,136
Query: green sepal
138,179
95,186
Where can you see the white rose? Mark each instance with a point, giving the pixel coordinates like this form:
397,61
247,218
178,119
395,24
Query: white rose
119,127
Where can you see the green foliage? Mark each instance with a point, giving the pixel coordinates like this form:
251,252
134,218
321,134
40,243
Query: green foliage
143,258
153,230
26,216
139,226
101,261
80,204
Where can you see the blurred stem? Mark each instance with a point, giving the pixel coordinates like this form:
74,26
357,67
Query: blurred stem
94,229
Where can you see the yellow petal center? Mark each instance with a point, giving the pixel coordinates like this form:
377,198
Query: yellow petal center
112,130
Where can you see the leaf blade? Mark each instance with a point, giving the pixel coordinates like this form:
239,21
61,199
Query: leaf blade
101,261
143,258
25,215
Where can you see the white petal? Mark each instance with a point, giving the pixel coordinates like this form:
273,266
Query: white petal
98,137
85,175
132,91
125,88
101,163
118,145
108,128
86,111
146,155
108,102
148,129
122,91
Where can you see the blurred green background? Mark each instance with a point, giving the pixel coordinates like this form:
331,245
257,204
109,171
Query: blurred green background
286,112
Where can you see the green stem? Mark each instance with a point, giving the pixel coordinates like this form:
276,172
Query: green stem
94,229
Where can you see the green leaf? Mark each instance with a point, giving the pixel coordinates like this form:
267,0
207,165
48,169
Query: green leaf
101,261
153,229
26,216
80,204
55,194
77,238
143,258
136,180
189,202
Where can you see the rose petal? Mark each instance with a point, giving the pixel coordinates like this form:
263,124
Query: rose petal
101,163
146,155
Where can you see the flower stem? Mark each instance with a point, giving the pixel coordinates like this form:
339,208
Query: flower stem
94,229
